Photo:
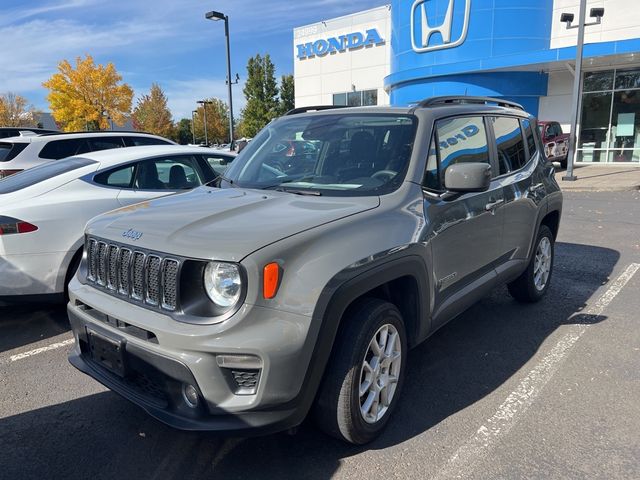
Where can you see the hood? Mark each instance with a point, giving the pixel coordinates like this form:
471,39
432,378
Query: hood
226,224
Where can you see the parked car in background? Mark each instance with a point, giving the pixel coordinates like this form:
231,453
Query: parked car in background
6,132
283,292
43,210
219,160
21,153
556,143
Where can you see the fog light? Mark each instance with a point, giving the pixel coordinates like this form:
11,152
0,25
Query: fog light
190,395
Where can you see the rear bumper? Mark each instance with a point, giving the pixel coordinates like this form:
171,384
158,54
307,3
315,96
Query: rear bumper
30,274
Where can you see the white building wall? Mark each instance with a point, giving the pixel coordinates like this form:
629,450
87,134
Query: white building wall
318,78
621,21
557,104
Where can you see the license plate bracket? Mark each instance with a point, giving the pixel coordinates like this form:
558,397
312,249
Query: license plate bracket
107,352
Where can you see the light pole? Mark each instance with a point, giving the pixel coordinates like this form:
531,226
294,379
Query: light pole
193,125
567,18
215,16
204,104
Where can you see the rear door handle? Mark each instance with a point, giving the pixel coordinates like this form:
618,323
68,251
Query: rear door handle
493,204
536,187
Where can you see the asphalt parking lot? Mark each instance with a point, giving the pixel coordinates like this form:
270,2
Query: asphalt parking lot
504,391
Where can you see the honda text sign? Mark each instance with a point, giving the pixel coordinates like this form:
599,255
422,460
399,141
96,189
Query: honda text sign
427,23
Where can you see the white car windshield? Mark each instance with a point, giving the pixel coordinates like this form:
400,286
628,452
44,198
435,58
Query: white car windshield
328,154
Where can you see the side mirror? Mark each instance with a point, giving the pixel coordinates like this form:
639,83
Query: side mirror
468,177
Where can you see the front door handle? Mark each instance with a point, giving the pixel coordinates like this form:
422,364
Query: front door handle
493,204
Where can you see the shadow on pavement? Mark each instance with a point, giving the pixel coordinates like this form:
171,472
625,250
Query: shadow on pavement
22,325
102,436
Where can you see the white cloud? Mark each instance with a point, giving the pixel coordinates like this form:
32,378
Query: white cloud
183,94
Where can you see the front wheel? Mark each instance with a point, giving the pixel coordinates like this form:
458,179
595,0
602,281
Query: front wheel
364,377
534,281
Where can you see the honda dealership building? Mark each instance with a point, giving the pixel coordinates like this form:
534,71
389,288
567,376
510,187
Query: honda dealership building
519,50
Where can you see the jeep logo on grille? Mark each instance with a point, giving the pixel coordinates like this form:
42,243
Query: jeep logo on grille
132,234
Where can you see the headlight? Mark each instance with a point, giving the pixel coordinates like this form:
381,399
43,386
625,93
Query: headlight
222,283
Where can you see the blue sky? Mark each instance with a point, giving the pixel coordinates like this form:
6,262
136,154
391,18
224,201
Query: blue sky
163,41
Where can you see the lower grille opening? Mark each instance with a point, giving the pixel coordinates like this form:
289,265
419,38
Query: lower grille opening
244,381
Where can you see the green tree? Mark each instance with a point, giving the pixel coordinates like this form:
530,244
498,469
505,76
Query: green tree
15,111
287,94
261,92
152,114
182,131
217,121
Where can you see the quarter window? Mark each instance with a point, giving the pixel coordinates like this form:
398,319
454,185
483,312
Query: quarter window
510,145
531,143
120,177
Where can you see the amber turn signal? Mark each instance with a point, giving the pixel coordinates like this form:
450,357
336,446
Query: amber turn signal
271,278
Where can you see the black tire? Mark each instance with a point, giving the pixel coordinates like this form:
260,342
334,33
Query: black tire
73,268
523,288
337,408
563,162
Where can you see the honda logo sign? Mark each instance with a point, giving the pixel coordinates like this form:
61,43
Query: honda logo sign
425,33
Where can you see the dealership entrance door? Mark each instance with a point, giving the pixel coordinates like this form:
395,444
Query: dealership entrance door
610,123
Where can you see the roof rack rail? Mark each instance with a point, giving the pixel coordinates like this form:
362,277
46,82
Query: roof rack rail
313,108
444,100
97,132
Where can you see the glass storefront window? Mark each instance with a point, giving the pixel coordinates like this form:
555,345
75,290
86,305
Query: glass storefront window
626,79
354,99
598,81
596,109
339,98
370,97
625,120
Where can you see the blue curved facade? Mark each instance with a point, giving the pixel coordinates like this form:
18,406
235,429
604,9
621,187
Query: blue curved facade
497,34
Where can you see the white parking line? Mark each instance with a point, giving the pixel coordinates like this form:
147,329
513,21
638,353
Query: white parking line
518,401
53,346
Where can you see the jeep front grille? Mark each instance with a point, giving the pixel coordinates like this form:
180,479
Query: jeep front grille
143,277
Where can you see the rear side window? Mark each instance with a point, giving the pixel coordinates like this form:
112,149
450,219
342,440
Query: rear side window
170,173
142,141
105,143
57,149
528,133
41,173
456,140
9,151
509,143
120,177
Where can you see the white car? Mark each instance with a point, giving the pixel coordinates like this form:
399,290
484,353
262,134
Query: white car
43,211
26,151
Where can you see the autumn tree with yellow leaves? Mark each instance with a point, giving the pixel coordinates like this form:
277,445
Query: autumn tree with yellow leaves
151,113
15,111
88,96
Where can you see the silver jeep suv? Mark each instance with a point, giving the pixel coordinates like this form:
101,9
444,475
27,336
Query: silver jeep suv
336,241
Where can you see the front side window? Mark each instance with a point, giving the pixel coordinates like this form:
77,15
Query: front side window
510,145
328,154
219,163
142,141
168,173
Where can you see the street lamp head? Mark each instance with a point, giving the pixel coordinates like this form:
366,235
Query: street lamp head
567,18
215,16
597,13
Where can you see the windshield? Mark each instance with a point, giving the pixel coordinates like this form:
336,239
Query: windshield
332,154
41,173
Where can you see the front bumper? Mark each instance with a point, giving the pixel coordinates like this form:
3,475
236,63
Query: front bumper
160,356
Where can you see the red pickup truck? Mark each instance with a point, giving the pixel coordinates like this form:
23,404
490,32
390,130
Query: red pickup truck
556,143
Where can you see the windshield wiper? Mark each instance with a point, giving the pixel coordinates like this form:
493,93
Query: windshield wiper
297,191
